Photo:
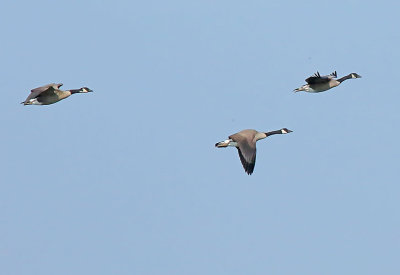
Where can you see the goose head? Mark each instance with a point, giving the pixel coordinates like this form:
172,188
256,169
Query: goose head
85,90
355,75
285,131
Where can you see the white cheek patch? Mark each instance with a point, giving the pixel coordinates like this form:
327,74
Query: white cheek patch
284,131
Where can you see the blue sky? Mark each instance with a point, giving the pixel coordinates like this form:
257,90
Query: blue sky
126,180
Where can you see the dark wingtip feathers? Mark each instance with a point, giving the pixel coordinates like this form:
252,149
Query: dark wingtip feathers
248,167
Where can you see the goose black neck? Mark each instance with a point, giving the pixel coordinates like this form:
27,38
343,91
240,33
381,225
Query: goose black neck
75,91
344,78
273,133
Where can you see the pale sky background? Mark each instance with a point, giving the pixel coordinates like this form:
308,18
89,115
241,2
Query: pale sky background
126,180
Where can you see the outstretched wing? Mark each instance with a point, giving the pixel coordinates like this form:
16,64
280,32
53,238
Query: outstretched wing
247,152
318,79
248,161
49,88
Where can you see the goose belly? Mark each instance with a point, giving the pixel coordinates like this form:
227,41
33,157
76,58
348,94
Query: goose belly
50,99
319,88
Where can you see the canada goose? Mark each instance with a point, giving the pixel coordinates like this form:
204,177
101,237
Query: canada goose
50,94
318,83
245,142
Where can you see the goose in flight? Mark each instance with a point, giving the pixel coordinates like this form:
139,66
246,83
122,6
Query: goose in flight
245,142
318,83
50,94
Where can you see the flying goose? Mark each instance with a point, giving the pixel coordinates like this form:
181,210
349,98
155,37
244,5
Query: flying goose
318,83
245,142
50,94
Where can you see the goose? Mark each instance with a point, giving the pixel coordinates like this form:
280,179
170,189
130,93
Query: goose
245,142
50,94
317,83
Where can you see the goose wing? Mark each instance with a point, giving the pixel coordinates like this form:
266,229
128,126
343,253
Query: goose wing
49,88
318,79
247,151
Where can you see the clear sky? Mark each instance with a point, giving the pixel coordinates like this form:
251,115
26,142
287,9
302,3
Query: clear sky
126,180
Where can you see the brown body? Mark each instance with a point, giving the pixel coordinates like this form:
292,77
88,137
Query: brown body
54,97
320,87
